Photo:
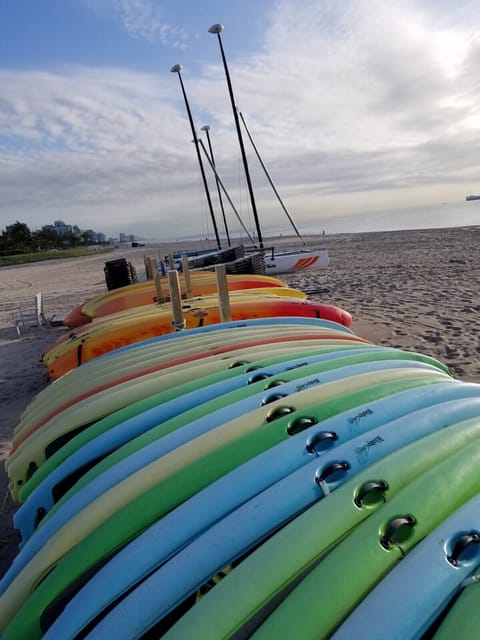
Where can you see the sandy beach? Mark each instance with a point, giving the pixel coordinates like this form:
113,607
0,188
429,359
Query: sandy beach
414,290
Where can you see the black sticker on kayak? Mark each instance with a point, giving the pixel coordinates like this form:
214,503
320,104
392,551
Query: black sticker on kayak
306,385
363,414
364,450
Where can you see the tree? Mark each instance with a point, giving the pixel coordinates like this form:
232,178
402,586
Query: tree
46,238
70,240
17,238
86,237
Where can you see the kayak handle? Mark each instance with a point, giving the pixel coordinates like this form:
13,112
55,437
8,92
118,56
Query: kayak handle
238,363
300,424
332,468
274,383
462,543
273,397
279,412
258,377
367,488
394,525
324,438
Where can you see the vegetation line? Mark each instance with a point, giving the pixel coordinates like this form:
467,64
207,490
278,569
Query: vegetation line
22,258
19,245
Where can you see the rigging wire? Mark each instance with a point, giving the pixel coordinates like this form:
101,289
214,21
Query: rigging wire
212,166
269,178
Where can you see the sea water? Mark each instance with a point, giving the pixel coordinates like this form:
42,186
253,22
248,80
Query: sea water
447,214
437,216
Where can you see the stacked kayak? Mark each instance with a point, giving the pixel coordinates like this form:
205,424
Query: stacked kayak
138,323
274,476
142,293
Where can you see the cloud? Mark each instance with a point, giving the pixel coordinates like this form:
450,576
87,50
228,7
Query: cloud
362,82
359,97
95,138
359,73
143,19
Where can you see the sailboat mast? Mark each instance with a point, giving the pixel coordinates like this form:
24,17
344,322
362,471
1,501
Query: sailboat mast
206,128
217,29
212,166
177,68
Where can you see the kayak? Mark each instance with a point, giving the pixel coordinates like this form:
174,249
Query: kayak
142,293
100,338
373,549
269,568
180,430
247,595
109,431
136,363
435,570
142,498
167,583
139,353
23,463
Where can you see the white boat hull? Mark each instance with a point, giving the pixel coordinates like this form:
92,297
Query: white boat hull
286,261
295,261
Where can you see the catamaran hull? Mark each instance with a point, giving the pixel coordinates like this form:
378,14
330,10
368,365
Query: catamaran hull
294,261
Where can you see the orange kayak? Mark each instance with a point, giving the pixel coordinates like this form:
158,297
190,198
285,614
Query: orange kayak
144,293
97,339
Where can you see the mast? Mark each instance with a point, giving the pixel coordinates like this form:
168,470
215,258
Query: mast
206,128
217,29
212,166
177,68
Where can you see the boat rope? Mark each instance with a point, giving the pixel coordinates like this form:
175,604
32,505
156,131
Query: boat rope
213,168
270,179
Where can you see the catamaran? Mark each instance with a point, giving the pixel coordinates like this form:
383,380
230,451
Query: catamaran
275,261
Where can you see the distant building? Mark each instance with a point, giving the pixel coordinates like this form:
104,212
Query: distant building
60,228
123,237
91,235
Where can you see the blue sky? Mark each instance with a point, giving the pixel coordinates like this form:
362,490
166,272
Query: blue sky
356,105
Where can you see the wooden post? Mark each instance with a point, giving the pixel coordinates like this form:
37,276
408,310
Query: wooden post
178,321
160,297
150,267
171,262
154,266
186,276
223,296
161,263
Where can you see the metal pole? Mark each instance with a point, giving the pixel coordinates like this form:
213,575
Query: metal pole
217,29
177,69
225,192
206,128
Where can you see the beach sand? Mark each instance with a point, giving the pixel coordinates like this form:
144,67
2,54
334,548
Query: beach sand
415,290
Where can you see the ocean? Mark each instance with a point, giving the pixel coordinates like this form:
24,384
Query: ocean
438,216
448,214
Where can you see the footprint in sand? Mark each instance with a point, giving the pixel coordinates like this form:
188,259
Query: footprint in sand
435,339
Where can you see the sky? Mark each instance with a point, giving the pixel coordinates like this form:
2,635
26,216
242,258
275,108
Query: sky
356,107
